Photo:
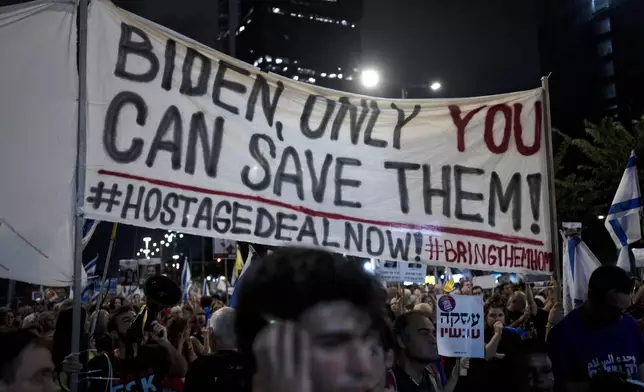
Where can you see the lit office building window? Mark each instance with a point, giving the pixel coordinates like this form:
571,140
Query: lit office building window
605,48
608,69
609,91
280,66
315,17
603,26
599,5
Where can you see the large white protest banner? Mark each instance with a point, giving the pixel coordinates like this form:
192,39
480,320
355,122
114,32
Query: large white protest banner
182,137
38,115
459,330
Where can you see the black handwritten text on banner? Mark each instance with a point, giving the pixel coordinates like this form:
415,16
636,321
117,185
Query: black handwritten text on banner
185,138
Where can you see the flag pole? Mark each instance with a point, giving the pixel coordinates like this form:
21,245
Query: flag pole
81,148
101,297
554,240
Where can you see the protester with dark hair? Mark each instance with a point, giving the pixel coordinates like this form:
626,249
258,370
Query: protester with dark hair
205,302
6,318
62,344
310,317
25,363
135,366
416,349
505,290
597,337
47,322
540,375
477,290
199,332
116,303
466,287
102,339
524,313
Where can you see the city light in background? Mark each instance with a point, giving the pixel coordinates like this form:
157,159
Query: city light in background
151,249
370,78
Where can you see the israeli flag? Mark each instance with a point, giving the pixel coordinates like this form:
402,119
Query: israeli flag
448,275
89,227
205,291
578,264
88,273
623,219
90,267
186,280
251,255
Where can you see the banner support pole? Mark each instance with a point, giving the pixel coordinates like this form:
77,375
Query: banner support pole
101,296
552,211
80,182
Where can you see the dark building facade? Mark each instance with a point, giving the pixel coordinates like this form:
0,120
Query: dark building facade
595,51
314,41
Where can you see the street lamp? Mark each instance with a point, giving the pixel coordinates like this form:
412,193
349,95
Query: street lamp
370,78
600,217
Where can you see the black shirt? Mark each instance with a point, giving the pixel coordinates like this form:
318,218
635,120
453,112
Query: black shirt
499,375
143,373
535,326
404,383
226,371
103,343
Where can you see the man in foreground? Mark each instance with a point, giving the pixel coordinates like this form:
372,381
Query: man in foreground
311,321
25,363
597,339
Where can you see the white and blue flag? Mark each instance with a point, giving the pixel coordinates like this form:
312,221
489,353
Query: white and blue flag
205,291
623,218
186,280
251,255
437,277
89,227
87,275
578,264
90,268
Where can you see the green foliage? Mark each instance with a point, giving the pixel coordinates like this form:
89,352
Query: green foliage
586,189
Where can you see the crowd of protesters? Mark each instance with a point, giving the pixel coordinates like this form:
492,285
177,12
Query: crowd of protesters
307,320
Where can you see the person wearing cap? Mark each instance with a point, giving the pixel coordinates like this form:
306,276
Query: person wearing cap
597,338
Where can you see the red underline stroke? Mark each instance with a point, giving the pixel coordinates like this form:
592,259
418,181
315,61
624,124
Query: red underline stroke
329,215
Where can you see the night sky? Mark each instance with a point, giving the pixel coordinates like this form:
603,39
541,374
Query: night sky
471,47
